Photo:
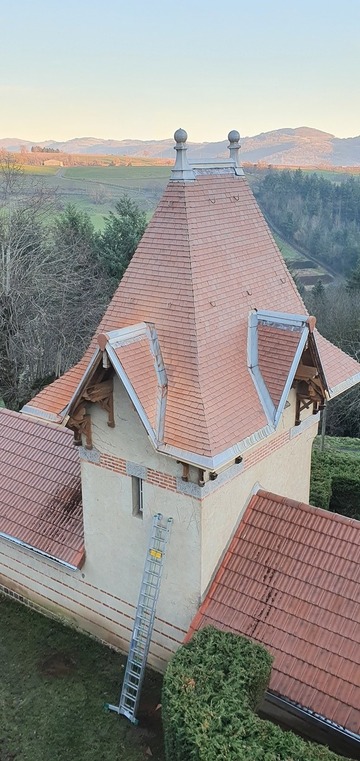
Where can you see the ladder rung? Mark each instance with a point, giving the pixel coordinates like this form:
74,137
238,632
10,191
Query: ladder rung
144,618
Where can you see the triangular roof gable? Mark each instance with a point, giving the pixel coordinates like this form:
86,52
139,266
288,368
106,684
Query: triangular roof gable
280,346
275,345
135,355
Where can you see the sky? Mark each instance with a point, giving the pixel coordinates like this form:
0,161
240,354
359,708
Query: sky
141,69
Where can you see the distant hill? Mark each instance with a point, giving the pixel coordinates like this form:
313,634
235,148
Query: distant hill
283,147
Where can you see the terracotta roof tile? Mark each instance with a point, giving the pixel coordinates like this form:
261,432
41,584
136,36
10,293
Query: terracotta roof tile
291,580
138,363
40,495
206,259
338,366
276,349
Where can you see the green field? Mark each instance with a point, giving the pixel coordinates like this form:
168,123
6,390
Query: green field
287,250
43,171
53,687
96,190
117,175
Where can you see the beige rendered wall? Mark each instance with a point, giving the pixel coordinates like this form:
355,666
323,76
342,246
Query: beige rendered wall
280,464
129,438
101,598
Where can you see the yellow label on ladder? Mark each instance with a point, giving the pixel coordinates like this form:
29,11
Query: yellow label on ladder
156,554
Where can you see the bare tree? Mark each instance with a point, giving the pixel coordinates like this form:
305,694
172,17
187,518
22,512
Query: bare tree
52,292
338,319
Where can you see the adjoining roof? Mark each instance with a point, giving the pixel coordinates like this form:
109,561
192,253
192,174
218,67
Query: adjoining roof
40,495
206,260
291,580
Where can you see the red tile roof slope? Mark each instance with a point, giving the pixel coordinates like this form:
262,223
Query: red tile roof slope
206,259
291,580
276,349
339,368
40,495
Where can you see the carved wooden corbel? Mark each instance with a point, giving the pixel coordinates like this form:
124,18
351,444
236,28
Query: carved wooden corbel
80,423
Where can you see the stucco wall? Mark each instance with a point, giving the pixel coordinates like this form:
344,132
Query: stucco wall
129,438
280,464
101,598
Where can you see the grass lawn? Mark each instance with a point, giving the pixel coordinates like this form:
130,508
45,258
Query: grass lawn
287,251
54,683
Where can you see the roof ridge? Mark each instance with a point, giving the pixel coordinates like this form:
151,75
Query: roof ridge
196,327
328,514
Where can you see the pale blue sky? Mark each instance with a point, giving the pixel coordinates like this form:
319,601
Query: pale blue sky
142,68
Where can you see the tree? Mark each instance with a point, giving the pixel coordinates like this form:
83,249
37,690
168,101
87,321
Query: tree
318,291
117,243
353,281
52,291
80,287
338,319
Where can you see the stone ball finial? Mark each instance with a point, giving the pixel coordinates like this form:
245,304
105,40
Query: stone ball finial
234,136
180,136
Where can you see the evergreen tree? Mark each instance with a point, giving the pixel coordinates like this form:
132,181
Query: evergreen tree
117,243
353,282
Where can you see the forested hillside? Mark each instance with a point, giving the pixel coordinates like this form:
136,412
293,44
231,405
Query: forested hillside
320,216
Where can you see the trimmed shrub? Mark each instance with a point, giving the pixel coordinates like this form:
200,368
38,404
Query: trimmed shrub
335,483
211,690
345,495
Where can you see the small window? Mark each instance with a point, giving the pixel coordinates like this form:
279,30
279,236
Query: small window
137,496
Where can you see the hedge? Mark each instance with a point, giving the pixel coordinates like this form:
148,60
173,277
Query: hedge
335,483
211,690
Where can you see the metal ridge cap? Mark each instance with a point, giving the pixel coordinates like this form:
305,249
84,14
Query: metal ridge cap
27,546
42,416
298,320
344,385
222,459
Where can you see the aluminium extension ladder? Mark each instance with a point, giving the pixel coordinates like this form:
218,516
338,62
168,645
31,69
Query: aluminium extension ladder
144,620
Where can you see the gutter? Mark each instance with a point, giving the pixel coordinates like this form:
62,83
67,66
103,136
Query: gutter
46,555
307,714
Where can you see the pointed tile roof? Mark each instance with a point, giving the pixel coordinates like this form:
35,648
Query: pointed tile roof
207,259
290,579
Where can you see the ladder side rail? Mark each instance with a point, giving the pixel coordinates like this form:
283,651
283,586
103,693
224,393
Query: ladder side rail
144,619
